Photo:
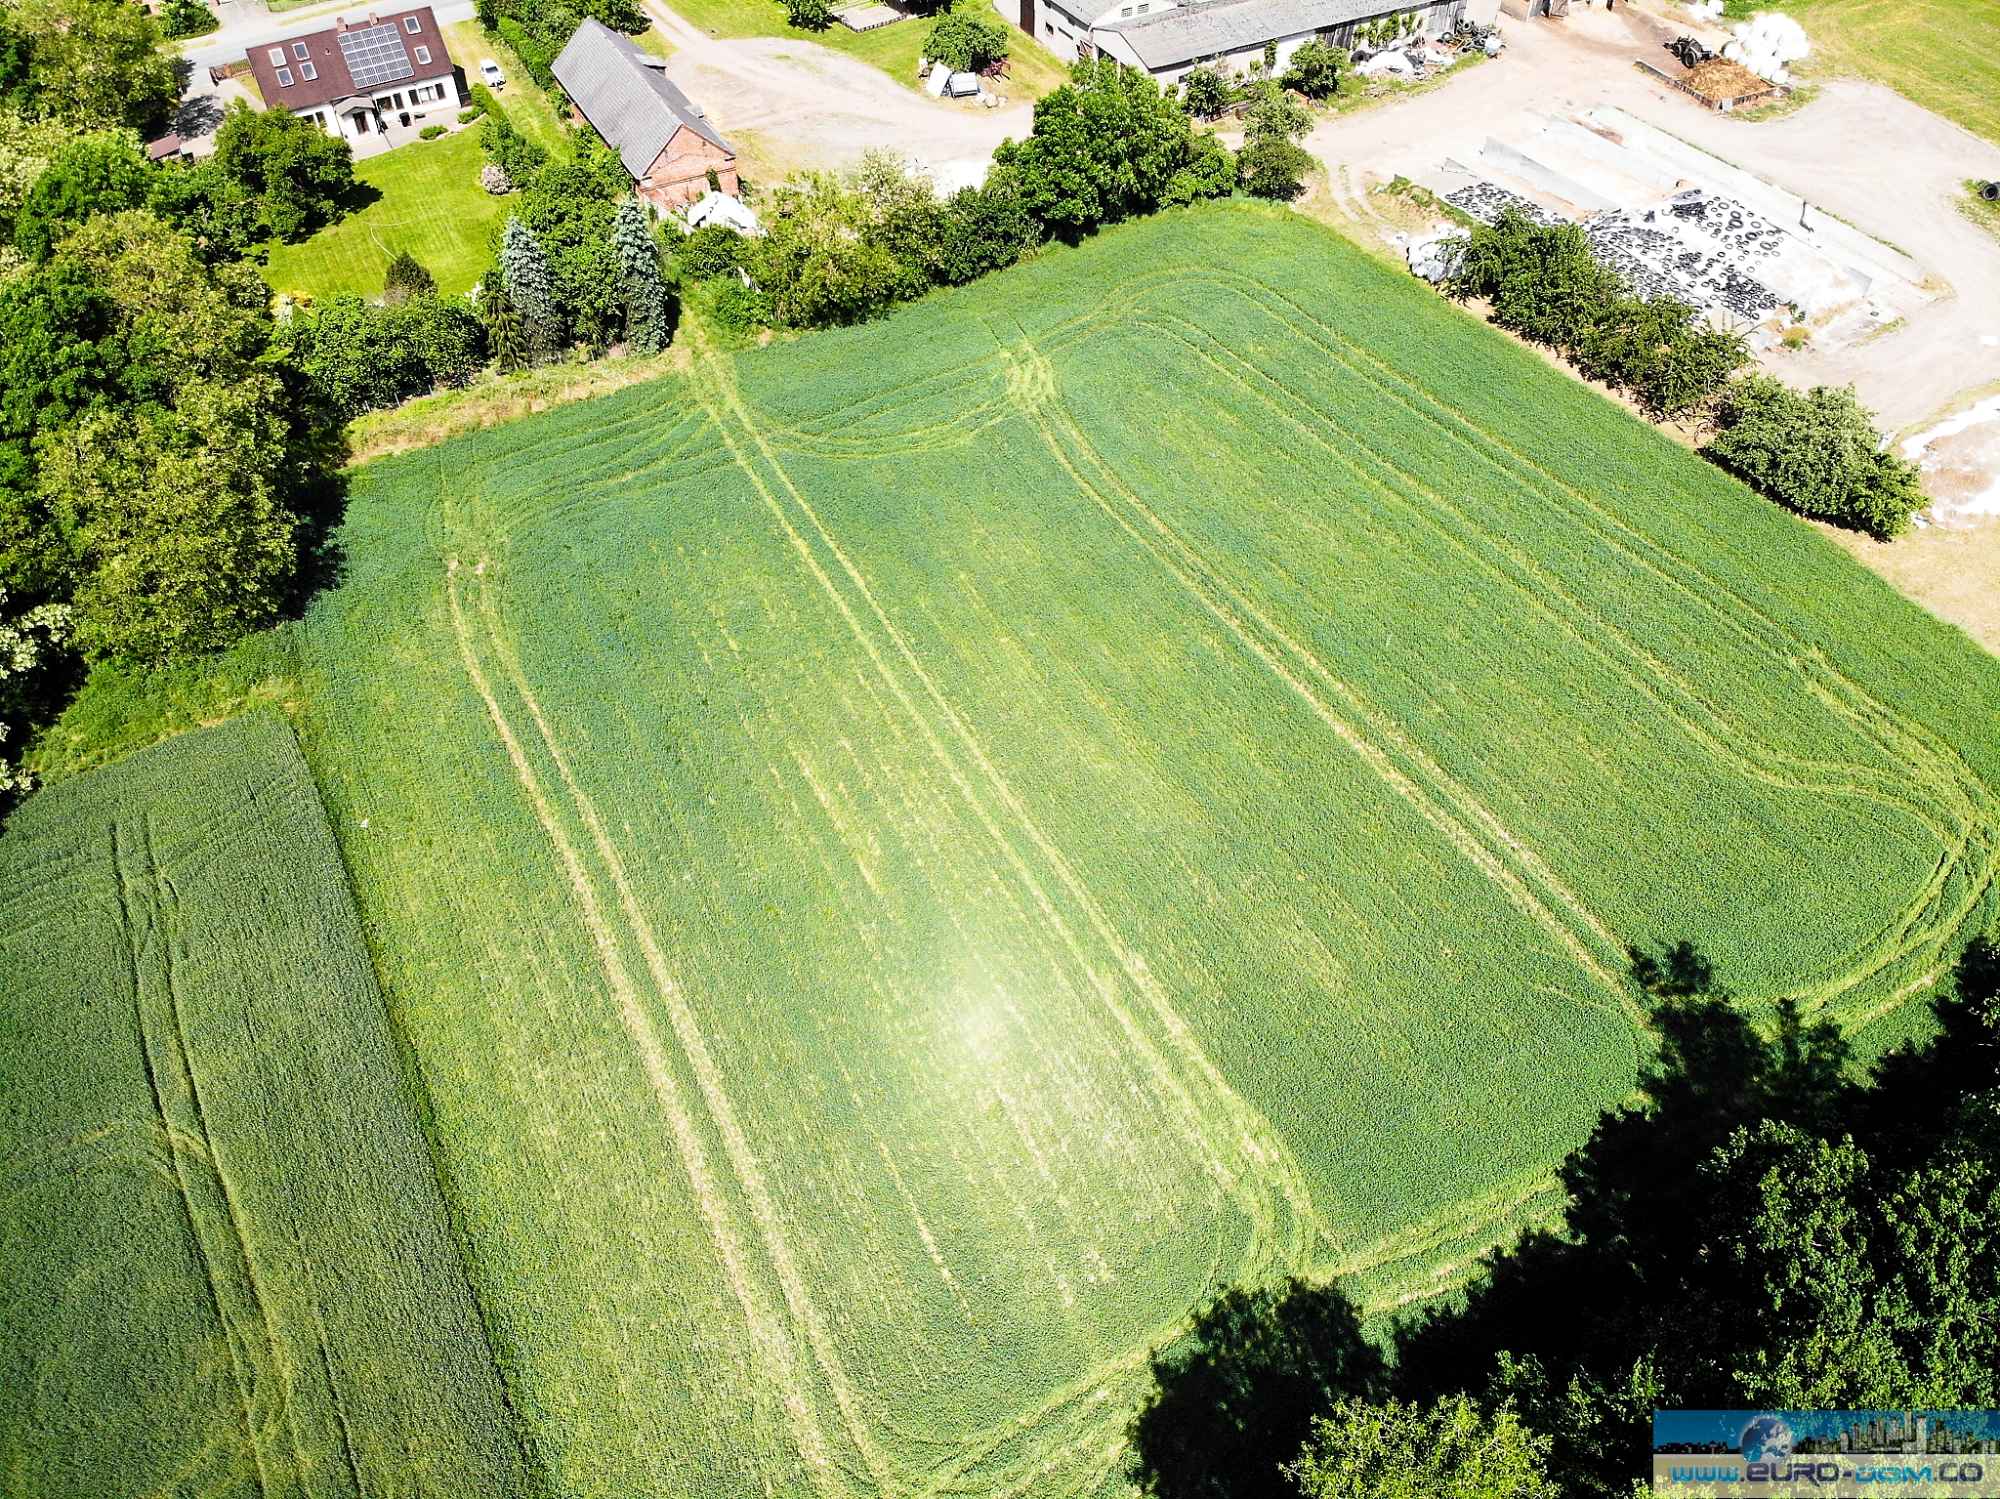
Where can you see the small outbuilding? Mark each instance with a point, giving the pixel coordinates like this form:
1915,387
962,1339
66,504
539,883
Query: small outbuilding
664,140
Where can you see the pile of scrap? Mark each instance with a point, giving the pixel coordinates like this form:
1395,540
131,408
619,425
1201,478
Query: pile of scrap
1486,201
1724,81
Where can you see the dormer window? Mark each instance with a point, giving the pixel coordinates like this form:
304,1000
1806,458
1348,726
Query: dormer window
284,78
412,25
301,51
277,55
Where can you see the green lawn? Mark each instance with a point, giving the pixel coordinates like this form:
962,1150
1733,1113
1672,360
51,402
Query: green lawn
907,859
1033,71
431,204
1944,54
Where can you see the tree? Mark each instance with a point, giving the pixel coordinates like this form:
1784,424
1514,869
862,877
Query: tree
154,463
448,336
1818,453
1235,1397
406,278
649,300
29,642
1272,162
530,288
816,263
1450,1450
104,172
809,15
966,41
504,334
984,228
1207,91
92,64
1105,146
1315,69
298,174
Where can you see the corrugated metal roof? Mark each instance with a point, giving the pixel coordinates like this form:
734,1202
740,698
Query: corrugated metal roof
626,97
1194,32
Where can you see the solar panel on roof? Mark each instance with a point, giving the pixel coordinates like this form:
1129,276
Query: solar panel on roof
375,55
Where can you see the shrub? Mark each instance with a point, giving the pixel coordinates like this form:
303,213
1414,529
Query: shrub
1272,163
467,116
1816,452
185,18
493,177
1315,69
509,150
711,250
430,132
809,15
984,229
966,41
740,308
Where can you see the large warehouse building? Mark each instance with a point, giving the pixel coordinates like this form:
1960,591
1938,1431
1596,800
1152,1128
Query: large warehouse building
1167,37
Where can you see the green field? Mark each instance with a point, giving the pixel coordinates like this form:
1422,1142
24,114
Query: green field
225,1267
909,859
1944,54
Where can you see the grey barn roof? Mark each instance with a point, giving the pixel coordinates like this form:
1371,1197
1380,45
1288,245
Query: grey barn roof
1194,32
626,97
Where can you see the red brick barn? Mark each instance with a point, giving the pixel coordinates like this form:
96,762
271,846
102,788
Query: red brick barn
666,143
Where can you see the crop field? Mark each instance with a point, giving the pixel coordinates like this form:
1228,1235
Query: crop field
224,1262
906,861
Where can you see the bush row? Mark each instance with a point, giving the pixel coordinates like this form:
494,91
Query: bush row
1818,453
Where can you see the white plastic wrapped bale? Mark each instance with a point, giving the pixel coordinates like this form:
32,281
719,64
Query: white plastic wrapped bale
1435,257
1392,64
1767,44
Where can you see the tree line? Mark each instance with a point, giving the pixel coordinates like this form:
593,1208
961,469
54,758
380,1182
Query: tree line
1767,1226
1816,452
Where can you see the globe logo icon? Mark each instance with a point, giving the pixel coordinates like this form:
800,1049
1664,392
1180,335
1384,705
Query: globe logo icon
1766,1440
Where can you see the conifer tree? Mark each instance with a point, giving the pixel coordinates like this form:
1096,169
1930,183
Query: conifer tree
530,286
649,300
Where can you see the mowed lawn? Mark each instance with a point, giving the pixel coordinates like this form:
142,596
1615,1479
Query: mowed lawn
1944,54
1032,70
907,860
430,202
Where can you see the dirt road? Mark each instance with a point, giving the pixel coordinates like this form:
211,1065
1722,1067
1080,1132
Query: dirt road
804,105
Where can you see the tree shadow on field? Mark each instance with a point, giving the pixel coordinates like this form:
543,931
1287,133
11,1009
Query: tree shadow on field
1235,1396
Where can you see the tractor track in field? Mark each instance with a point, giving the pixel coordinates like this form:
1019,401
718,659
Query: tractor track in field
1707,723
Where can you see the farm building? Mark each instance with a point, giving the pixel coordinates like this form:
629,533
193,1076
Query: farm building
1165,38
666,143
369,81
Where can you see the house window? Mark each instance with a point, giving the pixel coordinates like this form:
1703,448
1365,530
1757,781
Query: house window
284,78
423,54
301,51
412,25
308,72
277,55
1126,11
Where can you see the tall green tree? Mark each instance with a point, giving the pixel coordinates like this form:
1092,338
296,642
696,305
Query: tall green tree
102,172
649,300
298,174
1449,1450
1108,145
1272,162
1817,452
530,288
91,64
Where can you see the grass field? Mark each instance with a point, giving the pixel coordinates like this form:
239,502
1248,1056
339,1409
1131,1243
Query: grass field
225,1267
1944,54
1032,70
909,859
